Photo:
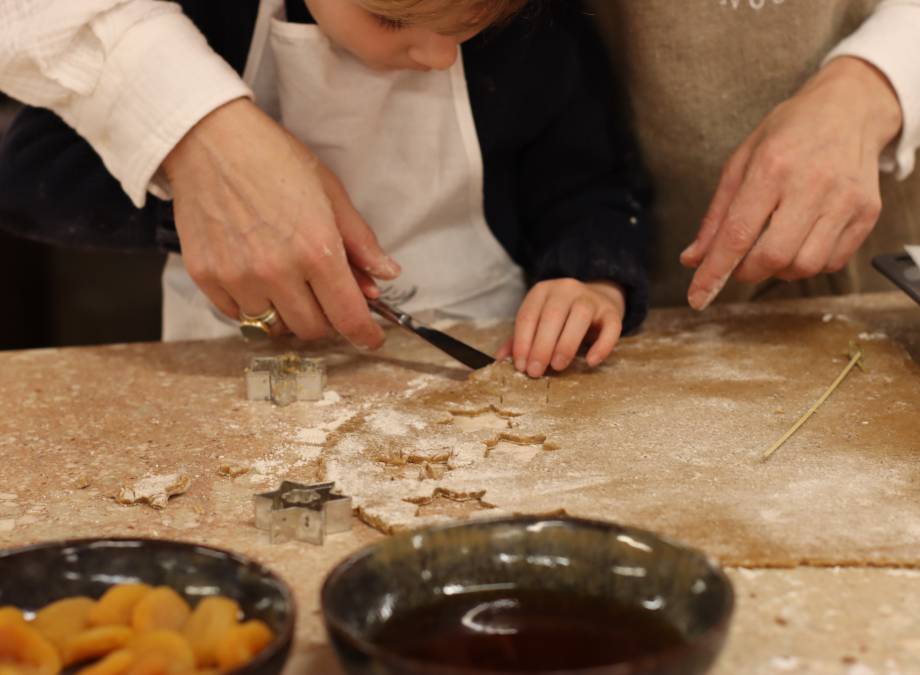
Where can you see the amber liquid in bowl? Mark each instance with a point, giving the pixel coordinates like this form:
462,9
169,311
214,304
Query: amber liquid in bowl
526,630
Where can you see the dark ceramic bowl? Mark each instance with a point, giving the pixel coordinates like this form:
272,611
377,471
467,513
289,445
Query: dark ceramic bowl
35,576
421,575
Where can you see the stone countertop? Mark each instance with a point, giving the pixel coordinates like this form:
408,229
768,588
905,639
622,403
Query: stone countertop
78,424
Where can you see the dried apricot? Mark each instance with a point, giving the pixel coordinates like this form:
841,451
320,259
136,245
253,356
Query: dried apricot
63,619
135,630
11,613
6,669
161,608
116,605
241,643
116,663
95,642
212,618
161,652
25,649
155,664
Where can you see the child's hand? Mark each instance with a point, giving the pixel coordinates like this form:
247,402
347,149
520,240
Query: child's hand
554,320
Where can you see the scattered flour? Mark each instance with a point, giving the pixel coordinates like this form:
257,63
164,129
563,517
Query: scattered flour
445,324
634,451
485,324
312,436
344,417
873,337
415,385
827,318
264,469
479,422
393,423
772,515
310,453
329,398
785,664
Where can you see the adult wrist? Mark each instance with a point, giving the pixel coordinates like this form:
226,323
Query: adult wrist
864,84
204,134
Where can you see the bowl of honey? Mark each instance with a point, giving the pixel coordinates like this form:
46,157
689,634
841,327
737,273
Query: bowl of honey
141,605
527,595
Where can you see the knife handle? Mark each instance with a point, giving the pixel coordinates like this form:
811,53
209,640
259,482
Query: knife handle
390,314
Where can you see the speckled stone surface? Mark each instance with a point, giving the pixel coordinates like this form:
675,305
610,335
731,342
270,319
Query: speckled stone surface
76,425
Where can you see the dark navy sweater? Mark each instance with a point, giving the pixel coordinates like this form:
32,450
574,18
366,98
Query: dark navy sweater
563,189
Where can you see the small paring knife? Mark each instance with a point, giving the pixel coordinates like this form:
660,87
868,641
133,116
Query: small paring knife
468,356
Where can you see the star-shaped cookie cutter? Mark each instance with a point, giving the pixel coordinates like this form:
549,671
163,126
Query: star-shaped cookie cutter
302,512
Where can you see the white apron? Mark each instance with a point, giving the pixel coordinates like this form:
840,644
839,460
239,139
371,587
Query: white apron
404,144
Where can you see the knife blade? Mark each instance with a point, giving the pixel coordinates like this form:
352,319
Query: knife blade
462,352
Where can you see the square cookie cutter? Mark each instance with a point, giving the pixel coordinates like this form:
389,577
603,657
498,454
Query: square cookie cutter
285,379
302,512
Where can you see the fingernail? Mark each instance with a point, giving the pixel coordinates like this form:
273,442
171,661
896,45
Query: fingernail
695,299
535,369
520,364
370,347
691,250
701,299
558,363
386,268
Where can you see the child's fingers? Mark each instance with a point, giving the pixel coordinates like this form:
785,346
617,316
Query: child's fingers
606,340
552,321
576,327
525,326
505,350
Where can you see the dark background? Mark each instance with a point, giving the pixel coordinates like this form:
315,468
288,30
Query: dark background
55,296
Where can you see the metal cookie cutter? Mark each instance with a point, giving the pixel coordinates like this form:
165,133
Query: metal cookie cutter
285,379
302,512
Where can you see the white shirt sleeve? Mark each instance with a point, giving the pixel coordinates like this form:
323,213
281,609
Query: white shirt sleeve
131,76
890,41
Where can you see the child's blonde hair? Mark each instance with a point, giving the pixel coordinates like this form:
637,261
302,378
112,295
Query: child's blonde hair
446,15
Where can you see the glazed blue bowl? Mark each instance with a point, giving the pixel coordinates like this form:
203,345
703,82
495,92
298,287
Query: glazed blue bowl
387,607
35,576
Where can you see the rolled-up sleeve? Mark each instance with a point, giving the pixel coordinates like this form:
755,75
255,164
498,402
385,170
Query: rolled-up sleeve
132,77
890,40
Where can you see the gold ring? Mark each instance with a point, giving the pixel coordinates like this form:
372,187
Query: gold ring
258,326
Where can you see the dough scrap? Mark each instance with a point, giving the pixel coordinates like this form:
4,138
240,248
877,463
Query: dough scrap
154,491
443,501
232,470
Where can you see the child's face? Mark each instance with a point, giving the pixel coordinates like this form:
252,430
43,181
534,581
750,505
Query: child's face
382,44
